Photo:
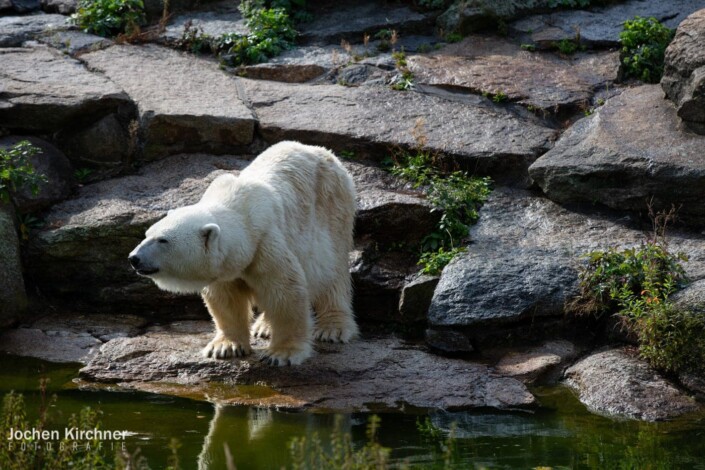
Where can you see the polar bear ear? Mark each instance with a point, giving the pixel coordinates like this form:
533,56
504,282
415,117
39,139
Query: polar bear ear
210,233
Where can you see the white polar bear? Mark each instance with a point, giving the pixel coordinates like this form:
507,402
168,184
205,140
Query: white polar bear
277,236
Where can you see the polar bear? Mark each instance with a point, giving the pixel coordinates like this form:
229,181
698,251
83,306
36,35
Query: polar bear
277,236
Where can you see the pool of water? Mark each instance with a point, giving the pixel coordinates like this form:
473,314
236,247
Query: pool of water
559,434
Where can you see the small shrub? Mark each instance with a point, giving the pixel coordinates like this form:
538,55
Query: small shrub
296,9
405,79
109,18
16,170
644,42
433,262
567,46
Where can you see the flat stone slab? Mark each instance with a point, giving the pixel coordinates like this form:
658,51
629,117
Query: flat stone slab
352,21
372,120
601,26
633,149
63,95
218,19
186,103
52,346
81,253
543,364
616,382
522,265
15,30
491,65
359,376
74,42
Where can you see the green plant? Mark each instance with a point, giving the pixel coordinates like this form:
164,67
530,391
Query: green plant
82,174
16,170
294,8
405,79
644,42
109,17
567,46
454,37
529,47
309,452
457,195
499,97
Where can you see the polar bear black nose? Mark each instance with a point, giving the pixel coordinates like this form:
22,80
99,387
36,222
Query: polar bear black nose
134,261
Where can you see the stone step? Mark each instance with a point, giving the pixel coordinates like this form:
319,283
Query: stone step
633,150
185,103
523,262
372,121
80,257
15,30
541,81
600,26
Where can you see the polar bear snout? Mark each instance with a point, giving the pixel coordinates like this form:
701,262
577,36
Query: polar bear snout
137,261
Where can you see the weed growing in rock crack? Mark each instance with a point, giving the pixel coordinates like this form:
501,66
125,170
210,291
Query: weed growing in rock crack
568,46
109,18
405,79
455,193
528,47
454,37
17,171
644,42
635,285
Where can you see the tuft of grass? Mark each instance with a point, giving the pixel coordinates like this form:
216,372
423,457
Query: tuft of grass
109,18
567,46
644,42
405,79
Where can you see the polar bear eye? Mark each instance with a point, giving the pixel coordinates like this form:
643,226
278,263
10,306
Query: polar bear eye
162,240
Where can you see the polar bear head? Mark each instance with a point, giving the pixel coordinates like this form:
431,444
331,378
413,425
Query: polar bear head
181,253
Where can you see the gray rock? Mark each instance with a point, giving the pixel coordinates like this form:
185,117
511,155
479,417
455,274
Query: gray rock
487,64
352,21
600,26
105,143
15,30
695,384
185,103
349,377
218,19
371,120
378,278
155,8
74,42
632,150
416,297
64,96
52,346
684,71
522,266
616,382
448,341
99,325
53,164
13,299
64,7
21,6
473,15
541,365
691,297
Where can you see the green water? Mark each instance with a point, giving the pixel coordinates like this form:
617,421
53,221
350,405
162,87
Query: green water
560,434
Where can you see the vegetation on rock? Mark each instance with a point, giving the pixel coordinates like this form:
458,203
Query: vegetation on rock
109,18
644,42
635,285
455,193
17,171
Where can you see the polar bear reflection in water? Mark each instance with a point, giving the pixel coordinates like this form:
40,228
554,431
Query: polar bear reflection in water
263,441
276,236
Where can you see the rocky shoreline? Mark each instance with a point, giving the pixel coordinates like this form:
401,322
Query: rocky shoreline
129,131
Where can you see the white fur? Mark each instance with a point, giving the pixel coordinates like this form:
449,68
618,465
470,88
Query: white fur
277,236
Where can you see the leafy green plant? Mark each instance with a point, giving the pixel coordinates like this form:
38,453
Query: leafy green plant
109,17
271,33
405,79
82,174
567,46
295,8
644,42
454,37
16,170
529,47
457,195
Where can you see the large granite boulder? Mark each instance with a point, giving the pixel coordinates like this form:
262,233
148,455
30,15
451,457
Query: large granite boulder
15,30
491,65
372,121
13,298
617,382
185,103
355,376
684,71
522,266
598,26
66,100
633,151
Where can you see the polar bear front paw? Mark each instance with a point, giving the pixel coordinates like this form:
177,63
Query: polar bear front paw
286,356
335,331
261,328
223,348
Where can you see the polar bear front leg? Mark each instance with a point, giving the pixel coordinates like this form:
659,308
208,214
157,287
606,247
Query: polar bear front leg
229,305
